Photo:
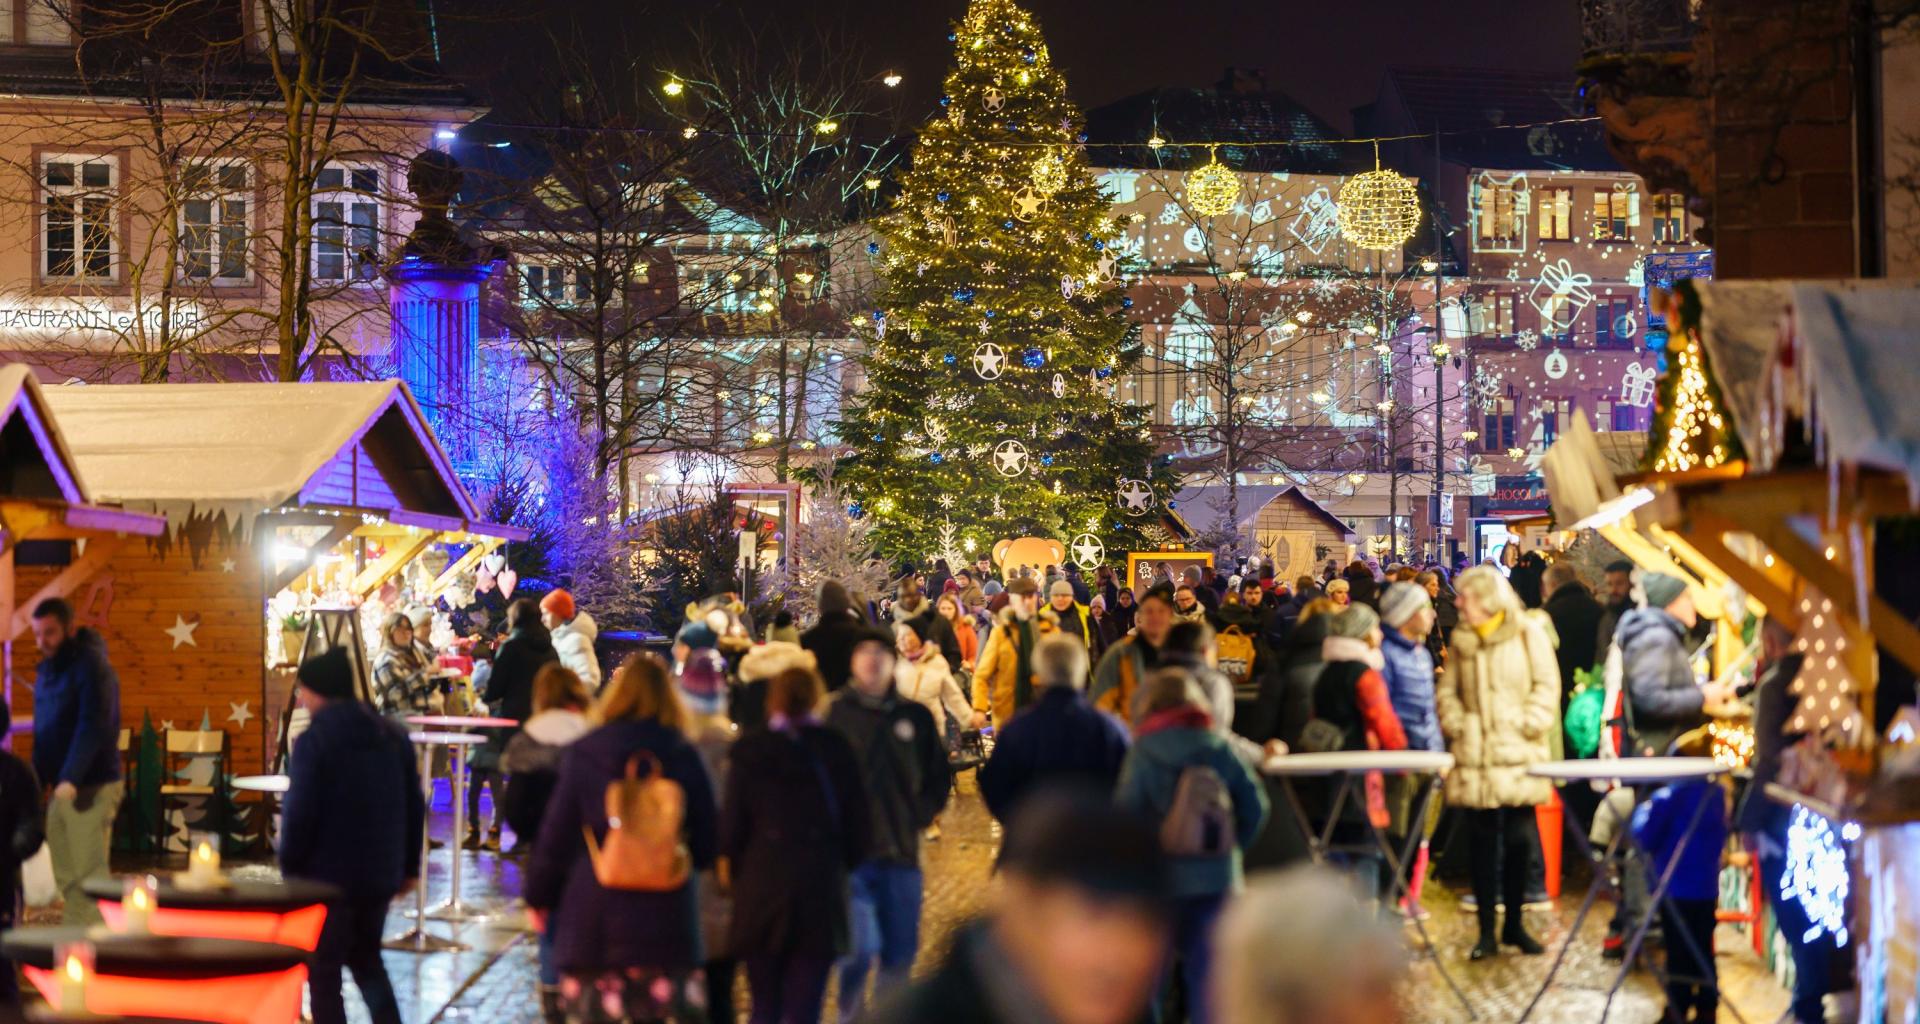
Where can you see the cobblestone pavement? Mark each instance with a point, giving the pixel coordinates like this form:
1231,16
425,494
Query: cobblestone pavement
496,980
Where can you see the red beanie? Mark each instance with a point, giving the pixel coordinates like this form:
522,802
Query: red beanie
559,604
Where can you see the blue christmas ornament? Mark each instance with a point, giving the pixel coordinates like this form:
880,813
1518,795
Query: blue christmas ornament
1030,56
942,196
1081,137
936,458
872,248
1098,245
946,101
1007,224
1103,372
948,359
1126,302
856,511
989,314
1046,460
1033,359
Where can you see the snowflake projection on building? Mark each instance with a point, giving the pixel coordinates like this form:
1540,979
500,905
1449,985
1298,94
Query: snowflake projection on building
1816,875
1326,286
1527,340
1485,389
1318,221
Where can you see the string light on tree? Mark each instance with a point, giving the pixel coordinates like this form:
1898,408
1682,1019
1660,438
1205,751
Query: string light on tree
1693,430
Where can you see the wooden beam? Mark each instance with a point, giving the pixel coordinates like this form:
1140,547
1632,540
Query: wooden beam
1709,570
400,551
1706,535
68,580
1886,625
339,530
482,545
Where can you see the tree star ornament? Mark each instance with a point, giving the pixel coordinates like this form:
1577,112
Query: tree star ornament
989,361
1010,458
1088,552
1135,497
1027,203
993,99
182,632
1059,386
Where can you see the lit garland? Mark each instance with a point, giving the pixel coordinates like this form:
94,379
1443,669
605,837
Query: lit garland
1816,875
1689,429
1733,743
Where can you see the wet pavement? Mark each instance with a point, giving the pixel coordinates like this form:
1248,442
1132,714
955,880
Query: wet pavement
495,981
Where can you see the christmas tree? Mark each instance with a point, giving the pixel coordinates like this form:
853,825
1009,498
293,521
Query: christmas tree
1001,333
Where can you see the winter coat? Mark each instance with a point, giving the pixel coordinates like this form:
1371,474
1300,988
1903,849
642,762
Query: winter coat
76,714
831,641
401,683
1499,702
994,685
1150,776
1408,670
933,629
1576,617
1609,623
1658,678
1060,739
21,824
1659,824
795,823
1287,714
714,736
597,929
1287,616
748,704
532,764
1118,678
969,640
928,682
1079,584
1364,588
958,992
1352,695
510,687
353,812
903,767
573,644
1078,622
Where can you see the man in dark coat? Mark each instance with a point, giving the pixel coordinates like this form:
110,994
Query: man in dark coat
528,649
904,765
831,638
912,609
1654,668
1059,738
1576,619
352,818
1078,927
76,750
1619,601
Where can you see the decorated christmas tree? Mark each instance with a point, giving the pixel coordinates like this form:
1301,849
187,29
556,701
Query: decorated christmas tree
1000,334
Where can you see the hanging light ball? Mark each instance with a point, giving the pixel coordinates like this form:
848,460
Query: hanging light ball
1379,209
1212,190
1049,173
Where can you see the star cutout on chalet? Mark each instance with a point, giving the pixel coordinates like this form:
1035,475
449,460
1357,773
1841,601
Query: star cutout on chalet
182,632
1010,458
166,726
239,713
227,565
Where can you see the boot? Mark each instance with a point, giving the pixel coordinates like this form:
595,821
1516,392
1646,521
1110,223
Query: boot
1488,945
472,842
1515,933
493,839
550,1010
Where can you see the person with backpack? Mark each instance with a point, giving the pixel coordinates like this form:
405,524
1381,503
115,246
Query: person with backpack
1353,711
1242,656
532,764
617,889
1499,703
1194,646
1209,805
903,768
794,827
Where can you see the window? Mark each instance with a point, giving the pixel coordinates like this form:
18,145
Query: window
1613,323
544,285
346,223
1497,314
1670,218
1499,221
46,22
1555,413
735,291
1498,435
1632,417
213,223
1556,214
1602,415
1613,214
77,239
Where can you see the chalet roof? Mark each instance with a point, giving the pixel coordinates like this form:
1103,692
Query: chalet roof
1199,506
1118,132
241,449
37,466
1457,100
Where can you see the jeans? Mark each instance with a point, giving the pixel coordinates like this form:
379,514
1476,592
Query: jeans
786,989
1691,983
1503,842
78,833
351,939
549,971
884,912
1193,921
1812,961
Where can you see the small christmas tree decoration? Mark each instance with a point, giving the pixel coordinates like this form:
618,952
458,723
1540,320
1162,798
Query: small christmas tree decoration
1827,692
1379,209
1213,189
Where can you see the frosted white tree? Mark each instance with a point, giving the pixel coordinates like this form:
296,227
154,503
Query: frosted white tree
832,544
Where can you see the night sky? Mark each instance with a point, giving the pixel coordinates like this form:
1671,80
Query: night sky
1327,54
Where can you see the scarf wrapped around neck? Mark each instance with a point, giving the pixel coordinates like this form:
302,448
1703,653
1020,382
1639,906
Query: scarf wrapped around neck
1346,648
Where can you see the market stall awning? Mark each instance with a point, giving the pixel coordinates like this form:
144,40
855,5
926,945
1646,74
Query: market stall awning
187,450
1203,507
42,494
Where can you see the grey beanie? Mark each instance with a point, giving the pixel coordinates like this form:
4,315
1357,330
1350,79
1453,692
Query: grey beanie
1354,621
1662,589
1401,602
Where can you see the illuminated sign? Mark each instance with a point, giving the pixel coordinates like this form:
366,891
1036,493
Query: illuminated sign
95,317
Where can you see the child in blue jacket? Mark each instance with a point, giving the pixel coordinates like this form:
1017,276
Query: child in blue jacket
1659,825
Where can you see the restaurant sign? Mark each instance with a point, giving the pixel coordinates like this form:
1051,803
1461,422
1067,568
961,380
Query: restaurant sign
95,317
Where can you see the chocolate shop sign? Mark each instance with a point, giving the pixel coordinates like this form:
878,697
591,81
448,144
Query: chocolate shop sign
108,319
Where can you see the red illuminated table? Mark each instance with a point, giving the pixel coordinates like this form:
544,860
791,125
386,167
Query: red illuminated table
226,981
290,912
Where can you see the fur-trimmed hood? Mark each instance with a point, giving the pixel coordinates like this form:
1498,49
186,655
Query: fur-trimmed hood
1046,614
772,658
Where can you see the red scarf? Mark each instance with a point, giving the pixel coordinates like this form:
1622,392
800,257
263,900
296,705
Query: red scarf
1186,716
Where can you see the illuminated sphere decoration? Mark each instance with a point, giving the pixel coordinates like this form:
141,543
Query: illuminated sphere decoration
1379,209
1049,173
1213,189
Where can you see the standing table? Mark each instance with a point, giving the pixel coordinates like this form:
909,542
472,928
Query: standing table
1633,772
1345,765
417,939
290,912
225,980
452,909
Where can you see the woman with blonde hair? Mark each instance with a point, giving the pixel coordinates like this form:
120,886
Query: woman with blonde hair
624,954
1499,705
402,679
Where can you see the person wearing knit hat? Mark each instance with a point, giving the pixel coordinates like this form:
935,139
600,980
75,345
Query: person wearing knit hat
1407,666
694,636
1340,591
574,632
1351,701
1655,669
1003,676
1403,601
703,682
1663,590
1076,619
1355,621
353,818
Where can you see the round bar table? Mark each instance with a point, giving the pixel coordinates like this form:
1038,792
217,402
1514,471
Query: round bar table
1345,765
452,908
417,939
1632,772
290,912
274,784
227,981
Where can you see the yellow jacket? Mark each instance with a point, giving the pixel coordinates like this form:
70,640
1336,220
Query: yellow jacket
993,674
